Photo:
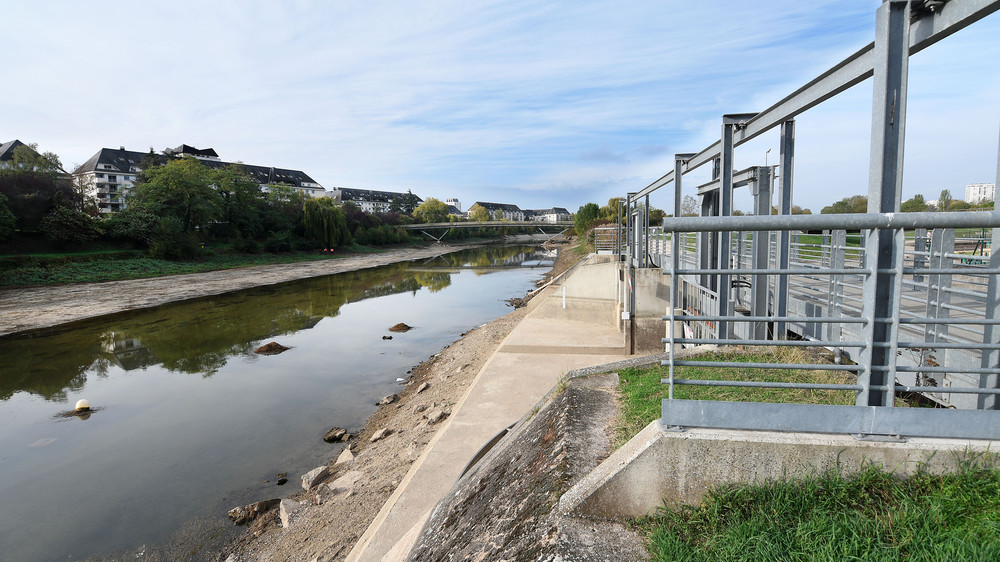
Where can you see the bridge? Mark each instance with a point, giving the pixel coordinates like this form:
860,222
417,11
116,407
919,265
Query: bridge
898,297
557,227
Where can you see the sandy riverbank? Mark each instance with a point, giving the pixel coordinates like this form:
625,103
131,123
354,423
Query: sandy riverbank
35,308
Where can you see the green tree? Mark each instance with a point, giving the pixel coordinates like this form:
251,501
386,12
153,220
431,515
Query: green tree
915,204
656,216
183,189
610,211
242,201
945,200
35,185
283,209
8,222
959,205
134,223
479,213
431,210
68,227
325,222
852,204
585,216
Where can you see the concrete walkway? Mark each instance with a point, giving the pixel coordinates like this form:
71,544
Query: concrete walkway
570,325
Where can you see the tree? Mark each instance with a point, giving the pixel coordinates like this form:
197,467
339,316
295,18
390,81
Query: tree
656,216
585,217
68,227
283,209
852,204
408,204
8,222
183,189
959,205
796,210
479,213
945,200
610,211
134,223
35,185
915,204
431,210
325,222
242,201
689,206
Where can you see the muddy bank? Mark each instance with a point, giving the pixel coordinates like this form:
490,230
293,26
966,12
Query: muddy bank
34,308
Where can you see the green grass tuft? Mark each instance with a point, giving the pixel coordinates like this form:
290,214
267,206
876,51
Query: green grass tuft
871,515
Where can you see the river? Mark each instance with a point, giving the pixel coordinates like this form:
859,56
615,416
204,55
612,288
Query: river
189,422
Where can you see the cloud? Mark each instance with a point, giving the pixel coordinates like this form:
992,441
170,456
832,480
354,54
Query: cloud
577,101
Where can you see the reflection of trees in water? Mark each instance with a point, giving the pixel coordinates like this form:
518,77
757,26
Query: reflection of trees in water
200,336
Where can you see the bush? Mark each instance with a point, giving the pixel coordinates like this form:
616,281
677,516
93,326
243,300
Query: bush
8,222
132,223
170,242
278,242
246,246
67,227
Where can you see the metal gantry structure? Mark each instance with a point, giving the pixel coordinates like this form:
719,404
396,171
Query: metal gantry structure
909,312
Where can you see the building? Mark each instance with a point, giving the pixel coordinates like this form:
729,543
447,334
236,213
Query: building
108,175
555,214
454,203
372,201
7,150
977,192
500,211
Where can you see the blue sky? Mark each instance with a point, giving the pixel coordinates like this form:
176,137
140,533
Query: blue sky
533,103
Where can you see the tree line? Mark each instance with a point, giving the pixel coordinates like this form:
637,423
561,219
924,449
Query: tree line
178,204
915,204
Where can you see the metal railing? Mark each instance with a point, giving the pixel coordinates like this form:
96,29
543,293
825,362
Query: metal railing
940,335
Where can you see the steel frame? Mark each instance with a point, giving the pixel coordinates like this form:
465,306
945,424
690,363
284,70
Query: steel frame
903,28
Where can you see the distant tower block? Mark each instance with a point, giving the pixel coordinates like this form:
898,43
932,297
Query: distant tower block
453,201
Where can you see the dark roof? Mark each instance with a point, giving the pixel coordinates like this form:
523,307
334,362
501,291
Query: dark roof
123,161
351,194
7,149
127,161
453,210
552,211
188,149
496,206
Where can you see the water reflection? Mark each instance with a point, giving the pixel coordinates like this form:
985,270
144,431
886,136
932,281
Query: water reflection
200,337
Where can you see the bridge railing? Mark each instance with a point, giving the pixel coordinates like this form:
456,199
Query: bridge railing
937,331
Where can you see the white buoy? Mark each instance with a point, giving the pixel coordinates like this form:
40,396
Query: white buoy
82,405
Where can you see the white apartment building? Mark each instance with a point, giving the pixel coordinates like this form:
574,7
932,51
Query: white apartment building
108,176
976,192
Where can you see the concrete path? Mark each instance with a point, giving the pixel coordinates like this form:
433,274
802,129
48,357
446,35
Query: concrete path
554,338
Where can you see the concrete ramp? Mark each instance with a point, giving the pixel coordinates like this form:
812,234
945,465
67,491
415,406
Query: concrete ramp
547,344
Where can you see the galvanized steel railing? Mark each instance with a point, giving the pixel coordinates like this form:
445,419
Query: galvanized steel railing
941,337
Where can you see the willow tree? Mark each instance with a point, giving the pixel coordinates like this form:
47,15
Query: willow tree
326,222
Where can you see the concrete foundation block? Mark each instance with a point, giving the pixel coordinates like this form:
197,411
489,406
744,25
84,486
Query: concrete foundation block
658,466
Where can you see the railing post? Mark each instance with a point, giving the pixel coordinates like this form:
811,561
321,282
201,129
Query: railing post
835,300
884,192
991,332
761,251
787,156
729,124
919,260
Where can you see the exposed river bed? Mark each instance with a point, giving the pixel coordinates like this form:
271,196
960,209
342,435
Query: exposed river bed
192,422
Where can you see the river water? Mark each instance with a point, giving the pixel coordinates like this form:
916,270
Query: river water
189,422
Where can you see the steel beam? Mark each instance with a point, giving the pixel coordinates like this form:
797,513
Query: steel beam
885,181
928,29
761,251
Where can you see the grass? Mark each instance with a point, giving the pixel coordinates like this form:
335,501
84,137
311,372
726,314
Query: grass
642,391
871,515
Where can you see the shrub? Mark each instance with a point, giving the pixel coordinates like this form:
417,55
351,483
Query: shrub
68,227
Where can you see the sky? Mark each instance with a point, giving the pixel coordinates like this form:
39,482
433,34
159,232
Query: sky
537,104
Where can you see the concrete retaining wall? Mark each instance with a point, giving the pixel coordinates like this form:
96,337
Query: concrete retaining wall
679,467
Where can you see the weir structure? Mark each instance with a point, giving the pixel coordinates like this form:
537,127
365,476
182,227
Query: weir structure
891,293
